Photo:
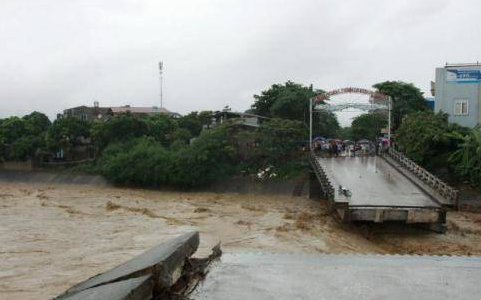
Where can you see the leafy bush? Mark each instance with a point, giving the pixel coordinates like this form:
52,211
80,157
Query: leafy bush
210,158
142,162
146,162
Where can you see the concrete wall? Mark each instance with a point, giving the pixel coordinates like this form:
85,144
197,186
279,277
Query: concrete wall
448,92
14,176
250,186
16,165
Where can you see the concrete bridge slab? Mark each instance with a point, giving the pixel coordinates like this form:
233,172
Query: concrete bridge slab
341,277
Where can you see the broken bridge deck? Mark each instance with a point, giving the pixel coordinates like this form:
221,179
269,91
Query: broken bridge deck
378,191
341,276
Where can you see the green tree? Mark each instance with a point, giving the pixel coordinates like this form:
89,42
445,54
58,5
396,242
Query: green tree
406,99
36,123
467,158
281,140
21,137
25,147
128,126
325,123
12,128
424,137
291,101
195,121
65,133
288,101
181,134
120,128
208,159
368,126
141,162
345,133
145,161
162,128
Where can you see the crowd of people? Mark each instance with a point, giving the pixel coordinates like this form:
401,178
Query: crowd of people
336,147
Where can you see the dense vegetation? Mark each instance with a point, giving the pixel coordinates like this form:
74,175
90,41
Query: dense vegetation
291,101
432,141
161,151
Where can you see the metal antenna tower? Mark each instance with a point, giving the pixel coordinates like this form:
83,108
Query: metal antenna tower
161,68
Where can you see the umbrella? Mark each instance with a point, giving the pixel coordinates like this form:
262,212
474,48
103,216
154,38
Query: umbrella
318,138
364,141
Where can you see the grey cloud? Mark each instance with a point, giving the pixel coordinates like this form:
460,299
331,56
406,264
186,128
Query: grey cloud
58,54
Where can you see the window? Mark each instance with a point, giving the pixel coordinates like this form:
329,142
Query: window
461,107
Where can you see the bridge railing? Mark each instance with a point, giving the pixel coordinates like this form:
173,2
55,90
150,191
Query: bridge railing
327,188
431,180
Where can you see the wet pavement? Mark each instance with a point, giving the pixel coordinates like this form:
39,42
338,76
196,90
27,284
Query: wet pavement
373,181
330,276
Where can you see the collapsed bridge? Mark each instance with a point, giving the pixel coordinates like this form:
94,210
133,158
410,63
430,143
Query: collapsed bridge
386,187
169,272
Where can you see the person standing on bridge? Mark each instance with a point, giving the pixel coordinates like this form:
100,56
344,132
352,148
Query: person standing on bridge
338,148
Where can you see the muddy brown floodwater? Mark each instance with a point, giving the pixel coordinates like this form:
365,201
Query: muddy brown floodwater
53,236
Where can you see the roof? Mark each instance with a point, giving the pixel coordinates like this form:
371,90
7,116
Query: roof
240,114
476,64
139,110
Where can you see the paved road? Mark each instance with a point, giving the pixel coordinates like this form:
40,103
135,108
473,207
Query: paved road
372,181
341,277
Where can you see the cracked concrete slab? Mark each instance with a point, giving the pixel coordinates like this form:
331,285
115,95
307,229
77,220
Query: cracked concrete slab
163,262
139,288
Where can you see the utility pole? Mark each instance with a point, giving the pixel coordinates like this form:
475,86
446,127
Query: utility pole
161,68
310,124
389,105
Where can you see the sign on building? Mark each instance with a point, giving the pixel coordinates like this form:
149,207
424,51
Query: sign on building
463,76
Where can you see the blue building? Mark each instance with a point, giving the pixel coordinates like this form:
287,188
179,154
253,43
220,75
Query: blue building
429,101
458,93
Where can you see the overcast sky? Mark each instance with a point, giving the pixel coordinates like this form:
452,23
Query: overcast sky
57,54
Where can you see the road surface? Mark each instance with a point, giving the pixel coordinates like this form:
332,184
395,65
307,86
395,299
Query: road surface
374,182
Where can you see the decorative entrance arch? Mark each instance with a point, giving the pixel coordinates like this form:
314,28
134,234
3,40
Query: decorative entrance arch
376,101
376,97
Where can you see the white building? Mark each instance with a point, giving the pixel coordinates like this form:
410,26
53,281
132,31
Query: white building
458,93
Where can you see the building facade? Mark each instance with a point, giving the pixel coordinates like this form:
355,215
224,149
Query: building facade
137,110
91,113
88,113
457,91
245,119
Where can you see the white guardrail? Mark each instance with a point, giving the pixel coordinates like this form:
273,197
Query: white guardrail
433,181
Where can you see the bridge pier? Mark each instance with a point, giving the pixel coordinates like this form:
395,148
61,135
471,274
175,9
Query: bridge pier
315,191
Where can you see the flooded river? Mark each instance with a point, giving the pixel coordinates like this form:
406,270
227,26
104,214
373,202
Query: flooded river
53,236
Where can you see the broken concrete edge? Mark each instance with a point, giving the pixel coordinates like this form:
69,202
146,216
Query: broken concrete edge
139,288
193,273
164,263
